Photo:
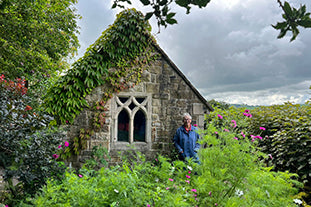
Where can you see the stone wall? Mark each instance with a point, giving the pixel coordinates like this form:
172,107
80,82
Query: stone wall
171,95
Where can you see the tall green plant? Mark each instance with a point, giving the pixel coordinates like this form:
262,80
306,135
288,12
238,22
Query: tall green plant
231,174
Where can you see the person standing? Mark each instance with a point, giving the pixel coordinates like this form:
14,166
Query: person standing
186,140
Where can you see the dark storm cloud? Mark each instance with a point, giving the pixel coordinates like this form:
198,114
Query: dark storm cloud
228,50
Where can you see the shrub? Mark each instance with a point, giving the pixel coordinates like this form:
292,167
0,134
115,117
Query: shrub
27,143
287,137
231,174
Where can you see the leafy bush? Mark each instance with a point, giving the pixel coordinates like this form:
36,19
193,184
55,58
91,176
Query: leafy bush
287,137
231,174
27,143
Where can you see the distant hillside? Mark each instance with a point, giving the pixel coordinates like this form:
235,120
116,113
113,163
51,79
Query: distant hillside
243,106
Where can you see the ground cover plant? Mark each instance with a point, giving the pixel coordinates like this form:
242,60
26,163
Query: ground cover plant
231,173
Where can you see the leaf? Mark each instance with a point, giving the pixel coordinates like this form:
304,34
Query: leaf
287,9
145,2
171,21
148,15
304,23
280,25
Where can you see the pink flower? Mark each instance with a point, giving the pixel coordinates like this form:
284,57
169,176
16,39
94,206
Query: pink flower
243,134
55,156
156,159
187,176
262,128
216,204
236,138
259,137
210,193
195,125
66,121
226,130
148,205
170,179
189,172
167,188
6,205
80,175
246,111
270,156
220,116
66,144
216,132
59,146
187,181
194,190
234,123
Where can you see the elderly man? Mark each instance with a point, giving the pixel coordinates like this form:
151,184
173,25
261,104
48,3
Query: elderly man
186,140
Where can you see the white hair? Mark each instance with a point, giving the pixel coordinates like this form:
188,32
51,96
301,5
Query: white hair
187,114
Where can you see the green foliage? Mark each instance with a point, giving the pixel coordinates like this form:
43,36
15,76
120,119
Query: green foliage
27,144
35,37
293,19
161,9
115,60
231,174
288,131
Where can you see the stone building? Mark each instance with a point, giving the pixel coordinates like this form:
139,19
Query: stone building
146,116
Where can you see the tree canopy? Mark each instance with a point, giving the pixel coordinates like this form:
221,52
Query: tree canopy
35,37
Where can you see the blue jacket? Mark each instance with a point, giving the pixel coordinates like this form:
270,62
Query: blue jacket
187,142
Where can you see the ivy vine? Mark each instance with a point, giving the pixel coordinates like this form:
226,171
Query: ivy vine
116,60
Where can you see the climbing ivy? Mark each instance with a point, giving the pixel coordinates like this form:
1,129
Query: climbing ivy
116,60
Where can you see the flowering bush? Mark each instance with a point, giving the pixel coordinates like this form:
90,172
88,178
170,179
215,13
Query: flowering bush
27,143
230,174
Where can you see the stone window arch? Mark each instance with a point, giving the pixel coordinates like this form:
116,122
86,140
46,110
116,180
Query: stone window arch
131,120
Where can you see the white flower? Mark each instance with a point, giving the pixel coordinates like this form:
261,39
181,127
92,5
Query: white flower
189,168
157,179
115,190
297,201
268,194
239,192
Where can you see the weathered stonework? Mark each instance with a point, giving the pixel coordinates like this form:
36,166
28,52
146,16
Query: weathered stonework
169,95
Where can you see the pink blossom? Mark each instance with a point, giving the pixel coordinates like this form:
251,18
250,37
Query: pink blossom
187,181
246,111
195,125
189,172
226,130
148,205
66,144
258,137
194,190
236,138
210,193
220,116
187,176
170,179
270,156
167,188
55,156
156,160
59,146
234,123
262,128
216,204
243,134
80,175
216,132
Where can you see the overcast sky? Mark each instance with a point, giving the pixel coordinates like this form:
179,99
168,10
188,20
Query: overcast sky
228,50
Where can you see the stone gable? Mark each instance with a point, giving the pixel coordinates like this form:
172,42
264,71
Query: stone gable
166,95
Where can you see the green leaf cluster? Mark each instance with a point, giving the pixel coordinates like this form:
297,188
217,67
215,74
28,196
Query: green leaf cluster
288,131
35,39
293,19
116,61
